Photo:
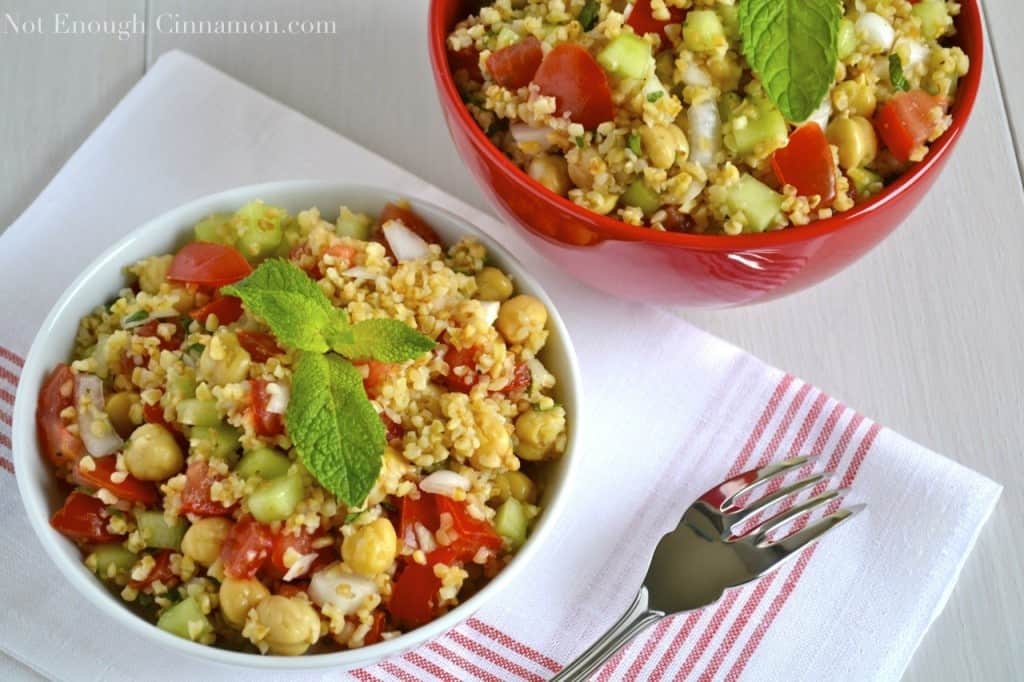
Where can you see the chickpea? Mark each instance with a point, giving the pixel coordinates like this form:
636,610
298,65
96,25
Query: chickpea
856,139
855,97
584,165
538,432
119,410
203,539
552,172
517,485
153,272
371,549
601,203
663,144
237,597
224,361
152,454
493,285
292,624
521,316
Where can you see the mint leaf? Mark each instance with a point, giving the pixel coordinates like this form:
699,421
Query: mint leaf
896,77
292,305
634,144
655,96
385,340
337,433
791,45
588,15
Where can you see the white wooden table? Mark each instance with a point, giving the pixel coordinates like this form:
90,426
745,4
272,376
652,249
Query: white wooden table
923,334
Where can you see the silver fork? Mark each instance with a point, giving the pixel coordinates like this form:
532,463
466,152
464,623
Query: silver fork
704,556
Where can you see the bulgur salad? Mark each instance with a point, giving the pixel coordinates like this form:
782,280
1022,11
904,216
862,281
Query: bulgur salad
296,436
711,116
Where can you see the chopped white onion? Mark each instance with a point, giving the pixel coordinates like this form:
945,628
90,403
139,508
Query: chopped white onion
344,591
652,85
444,482
531,140
822,114
279,396
490,311
705,132
359,272
695,75
876,31
691,194
300,566
424,538
404,243
89,401
917,51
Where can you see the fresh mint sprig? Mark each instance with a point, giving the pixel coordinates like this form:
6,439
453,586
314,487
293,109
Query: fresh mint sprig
896,75
792,47
334,427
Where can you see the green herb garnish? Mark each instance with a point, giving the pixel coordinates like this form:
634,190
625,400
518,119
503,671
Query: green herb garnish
896,77
196,349
580,142
634,144
588,15
137,316
655,96
792,47
335,429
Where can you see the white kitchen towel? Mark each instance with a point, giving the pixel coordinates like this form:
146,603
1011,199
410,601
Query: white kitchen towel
670,411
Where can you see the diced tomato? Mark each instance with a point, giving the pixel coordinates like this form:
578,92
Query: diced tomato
279,546
376,630
343,252
83,518
392,430
905,122
195,498
513,67
462,371
806,163
60,446
151,329
641,18
521,379
467,59
379,372
130,489
571,75
414,598
472,533
265,422
208,264
161,571
246,548
407,217
227,309
260,346
292,589
422,510
154,414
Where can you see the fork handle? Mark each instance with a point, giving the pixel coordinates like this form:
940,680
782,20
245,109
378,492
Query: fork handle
637,618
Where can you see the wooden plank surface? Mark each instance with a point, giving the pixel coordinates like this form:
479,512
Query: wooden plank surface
921,334
56,87
1005,20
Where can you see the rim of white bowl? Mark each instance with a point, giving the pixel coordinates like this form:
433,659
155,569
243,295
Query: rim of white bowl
179,220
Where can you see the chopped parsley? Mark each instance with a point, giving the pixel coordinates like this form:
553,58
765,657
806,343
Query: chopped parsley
634,144
655,96
588,15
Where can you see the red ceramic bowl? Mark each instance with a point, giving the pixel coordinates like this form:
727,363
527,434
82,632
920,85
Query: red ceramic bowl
687,269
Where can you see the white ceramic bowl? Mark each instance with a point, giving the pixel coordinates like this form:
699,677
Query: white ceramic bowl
101,281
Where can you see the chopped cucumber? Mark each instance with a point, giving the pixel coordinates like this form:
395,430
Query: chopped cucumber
217,229
259,229
626,56
643,197
934,18
266,463
355,225
111,560
703,31
196,412
511,522
157,532
846,41
866,183
185,619
181,388
754,200
219,441
763,130
728,104
276,500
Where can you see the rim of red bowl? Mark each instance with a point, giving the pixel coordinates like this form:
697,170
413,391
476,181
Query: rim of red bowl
969,26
